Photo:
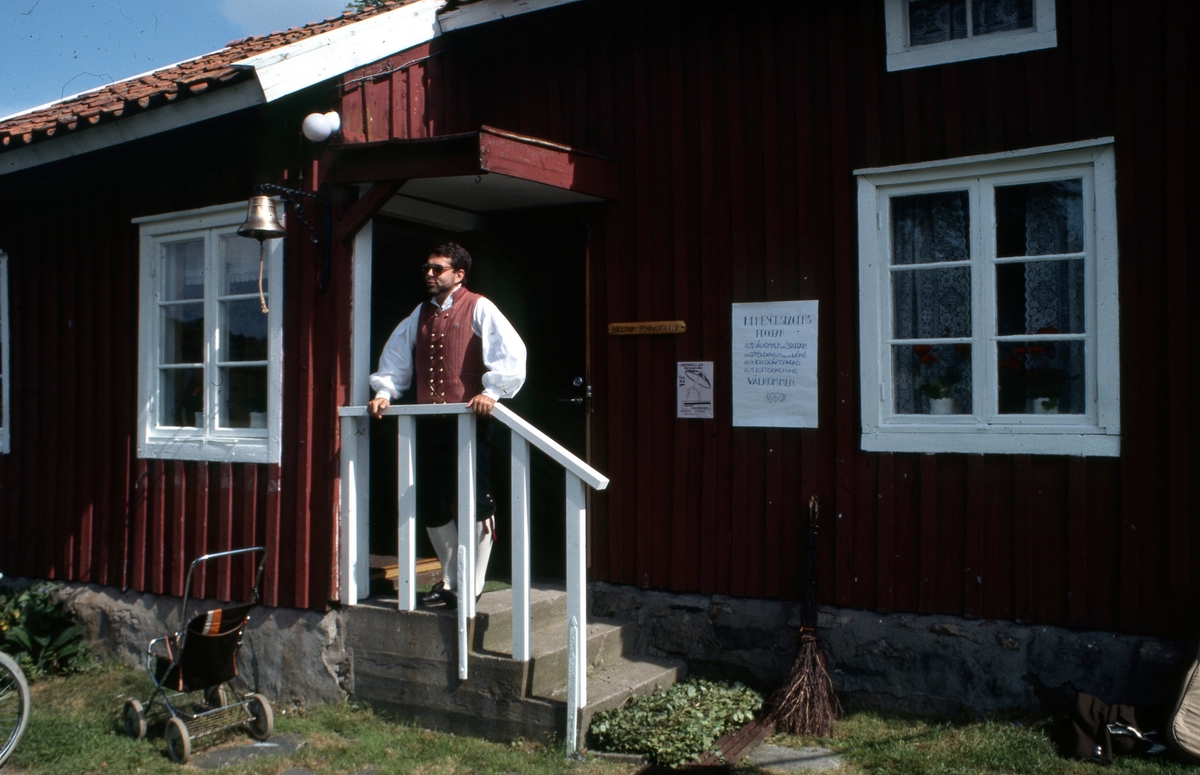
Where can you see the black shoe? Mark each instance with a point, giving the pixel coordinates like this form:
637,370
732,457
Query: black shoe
438,595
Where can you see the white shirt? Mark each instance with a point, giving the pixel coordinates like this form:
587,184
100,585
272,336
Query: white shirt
503,352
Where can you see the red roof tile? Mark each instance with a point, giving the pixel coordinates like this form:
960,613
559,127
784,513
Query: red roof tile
146,92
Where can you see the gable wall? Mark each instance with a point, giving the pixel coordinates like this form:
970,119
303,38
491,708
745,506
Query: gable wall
738,129
75,501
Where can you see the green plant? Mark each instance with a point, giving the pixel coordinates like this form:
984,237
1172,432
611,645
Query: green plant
37,629
675,726
939,378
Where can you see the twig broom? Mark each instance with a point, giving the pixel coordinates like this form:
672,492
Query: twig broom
807,705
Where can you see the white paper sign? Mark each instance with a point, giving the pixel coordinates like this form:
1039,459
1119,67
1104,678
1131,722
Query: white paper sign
694,389
775,364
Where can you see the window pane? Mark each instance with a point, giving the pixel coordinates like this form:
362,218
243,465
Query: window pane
928,228
1000,15
1041,377
183,270
926,375
182,398
1039,219
936,21
244,328
244,390
239,257
931,303
1040,297
183,333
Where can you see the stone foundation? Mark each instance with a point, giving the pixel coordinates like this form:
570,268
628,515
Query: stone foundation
295,658
903,662
926,664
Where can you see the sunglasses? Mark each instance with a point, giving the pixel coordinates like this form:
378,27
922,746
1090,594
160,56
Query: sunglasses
437,269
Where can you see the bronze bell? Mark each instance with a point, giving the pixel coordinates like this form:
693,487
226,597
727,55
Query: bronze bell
261,222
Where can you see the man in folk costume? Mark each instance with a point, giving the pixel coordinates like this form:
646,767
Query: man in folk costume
456,348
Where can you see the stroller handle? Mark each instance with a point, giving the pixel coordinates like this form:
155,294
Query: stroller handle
187,587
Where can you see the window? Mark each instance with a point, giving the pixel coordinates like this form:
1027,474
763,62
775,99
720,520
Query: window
988,292
933,32
5,414
209,358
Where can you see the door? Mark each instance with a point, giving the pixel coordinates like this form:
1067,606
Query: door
533,265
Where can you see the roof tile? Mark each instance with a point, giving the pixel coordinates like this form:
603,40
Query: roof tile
147,92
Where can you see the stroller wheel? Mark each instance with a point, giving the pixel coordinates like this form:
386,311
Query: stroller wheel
262,719
134,719
179,745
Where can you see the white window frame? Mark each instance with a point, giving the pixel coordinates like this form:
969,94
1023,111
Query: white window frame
902,56
1096,431
5,360
244,445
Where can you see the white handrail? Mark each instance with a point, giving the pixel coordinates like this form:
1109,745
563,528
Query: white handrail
354,552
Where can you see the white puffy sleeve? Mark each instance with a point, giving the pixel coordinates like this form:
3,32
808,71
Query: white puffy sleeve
503,351
396,361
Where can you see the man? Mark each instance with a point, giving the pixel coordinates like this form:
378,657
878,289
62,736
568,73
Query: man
457,348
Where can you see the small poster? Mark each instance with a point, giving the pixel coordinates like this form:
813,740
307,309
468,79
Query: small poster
775,364
694,390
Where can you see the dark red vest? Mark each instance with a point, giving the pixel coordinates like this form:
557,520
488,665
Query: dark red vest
448,355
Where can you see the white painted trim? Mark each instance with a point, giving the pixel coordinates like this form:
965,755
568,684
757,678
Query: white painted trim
209,444
473,14
1097,431
901,56
151,122
1020,160
288,69
519,521
551,448
5,361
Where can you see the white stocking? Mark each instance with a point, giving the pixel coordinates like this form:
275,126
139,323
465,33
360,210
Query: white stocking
445,543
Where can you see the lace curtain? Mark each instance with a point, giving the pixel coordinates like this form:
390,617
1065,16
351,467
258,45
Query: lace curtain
937,21
1054,289
930,302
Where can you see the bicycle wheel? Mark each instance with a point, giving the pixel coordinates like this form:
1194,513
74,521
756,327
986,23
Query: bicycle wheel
14,705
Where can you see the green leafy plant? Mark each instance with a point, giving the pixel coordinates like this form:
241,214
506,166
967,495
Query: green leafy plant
37,629
675,726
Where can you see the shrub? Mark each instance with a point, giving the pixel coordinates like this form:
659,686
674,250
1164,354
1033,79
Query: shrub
37,629
675,726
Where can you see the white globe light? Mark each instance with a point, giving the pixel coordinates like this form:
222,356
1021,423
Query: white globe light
335,121
317,127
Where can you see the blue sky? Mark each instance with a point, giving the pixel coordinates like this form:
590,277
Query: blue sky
55,48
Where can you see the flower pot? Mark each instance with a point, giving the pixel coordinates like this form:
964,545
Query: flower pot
942,406
1043,405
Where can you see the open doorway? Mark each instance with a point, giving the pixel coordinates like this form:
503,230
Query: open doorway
533,265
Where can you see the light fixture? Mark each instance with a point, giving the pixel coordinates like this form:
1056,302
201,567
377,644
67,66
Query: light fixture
262,224
319,127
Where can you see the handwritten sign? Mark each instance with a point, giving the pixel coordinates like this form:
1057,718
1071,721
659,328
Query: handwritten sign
647,327
775,364
694,390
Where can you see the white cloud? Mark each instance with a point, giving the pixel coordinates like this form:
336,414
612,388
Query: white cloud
261,17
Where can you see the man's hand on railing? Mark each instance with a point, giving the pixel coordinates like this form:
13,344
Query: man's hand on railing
481,405
376,406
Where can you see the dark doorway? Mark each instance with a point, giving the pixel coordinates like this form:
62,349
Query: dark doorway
533,266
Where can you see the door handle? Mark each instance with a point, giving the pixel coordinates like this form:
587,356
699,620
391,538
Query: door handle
575,400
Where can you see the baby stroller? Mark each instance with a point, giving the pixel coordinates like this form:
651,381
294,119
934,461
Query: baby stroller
192,670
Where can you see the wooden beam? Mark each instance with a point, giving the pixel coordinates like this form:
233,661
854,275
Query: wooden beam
364,208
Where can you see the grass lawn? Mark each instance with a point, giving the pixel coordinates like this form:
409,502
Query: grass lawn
74,729
890,745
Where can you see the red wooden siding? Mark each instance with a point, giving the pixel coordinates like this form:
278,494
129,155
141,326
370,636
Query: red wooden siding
75,502
738,129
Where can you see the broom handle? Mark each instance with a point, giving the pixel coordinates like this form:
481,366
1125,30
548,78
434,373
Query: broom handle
808,613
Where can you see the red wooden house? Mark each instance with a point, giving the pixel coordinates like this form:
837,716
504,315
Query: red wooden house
988,200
